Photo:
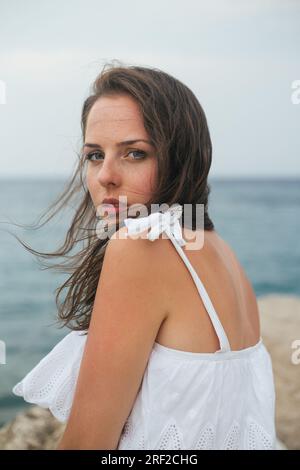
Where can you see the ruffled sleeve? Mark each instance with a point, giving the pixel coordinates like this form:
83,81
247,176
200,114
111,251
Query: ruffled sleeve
51,383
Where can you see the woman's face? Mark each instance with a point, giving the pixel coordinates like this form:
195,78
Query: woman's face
114,168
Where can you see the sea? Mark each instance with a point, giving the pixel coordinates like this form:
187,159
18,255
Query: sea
259,218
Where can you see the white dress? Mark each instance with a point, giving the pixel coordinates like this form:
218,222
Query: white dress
187,400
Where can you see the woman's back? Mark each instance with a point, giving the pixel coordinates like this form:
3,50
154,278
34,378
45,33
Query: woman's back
188,326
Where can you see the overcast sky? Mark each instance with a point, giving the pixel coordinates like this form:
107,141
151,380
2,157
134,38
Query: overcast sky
239,57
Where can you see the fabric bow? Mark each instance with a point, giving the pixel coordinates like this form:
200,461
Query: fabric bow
158,222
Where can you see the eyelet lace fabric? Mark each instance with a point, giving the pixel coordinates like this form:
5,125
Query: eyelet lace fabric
51,383
253,437
167,413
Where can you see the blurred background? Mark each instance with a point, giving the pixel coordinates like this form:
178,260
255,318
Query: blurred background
241,59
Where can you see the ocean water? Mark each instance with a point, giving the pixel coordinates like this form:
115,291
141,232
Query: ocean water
260,219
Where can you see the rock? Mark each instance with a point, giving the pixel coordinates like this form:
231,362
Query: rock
280,327
36,428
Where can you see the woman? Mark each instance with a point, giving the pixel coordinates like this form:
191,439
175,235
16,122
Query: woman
155,359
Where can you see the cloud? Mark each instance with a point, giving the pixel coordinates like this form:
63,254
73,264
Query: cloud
239,57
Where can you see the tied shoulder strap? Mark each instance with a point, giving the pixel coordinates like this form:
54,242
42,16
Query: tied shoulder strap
168,222
158,222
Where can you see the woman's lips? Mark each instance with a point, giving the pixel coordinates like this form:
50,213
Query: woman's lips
112,208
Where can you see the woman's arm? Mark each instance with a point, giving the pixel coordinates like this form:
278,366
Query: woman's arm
126,317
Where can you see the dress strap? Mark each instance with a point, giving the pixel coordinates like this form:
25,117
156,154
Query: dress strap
168,222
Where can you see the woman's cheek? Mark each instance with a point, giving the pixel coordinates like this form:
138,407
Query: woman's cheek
152,176
146,182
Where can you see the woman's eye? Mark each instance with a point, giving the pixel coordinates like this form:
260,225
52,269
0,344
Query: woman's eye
95,156
142,154
90,156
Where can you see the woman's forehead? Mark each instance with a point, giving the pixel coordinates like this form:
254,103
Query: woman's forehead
115,108
114,116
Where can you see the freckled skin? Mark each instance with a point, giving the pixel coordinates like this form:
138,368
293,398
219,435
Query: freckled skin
119,172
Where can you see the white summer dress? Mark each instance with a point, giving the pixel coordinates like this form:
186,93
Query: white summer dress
187,400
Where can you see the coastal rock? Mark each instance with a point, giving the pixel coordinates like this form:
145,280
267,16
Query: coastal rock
280,327
35,428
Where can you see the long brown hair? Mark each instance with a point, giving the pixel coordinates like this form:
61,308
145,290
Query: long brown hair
176,124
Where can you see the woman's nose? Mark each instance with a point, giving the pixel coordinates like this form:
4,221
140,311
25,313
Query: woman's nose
109,172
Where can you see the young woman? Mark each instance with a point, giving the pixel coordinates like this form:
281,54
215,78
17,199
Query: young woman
166,351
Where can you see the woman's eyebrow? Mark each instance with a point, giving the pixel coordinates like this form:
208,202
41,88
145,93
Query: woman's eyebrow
119,144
